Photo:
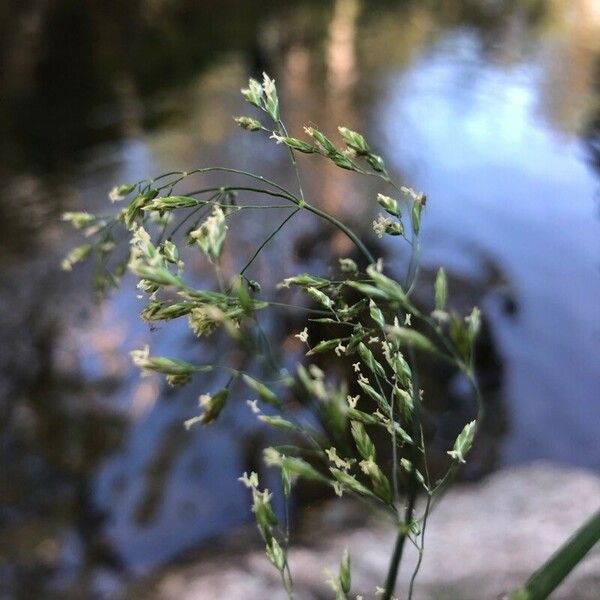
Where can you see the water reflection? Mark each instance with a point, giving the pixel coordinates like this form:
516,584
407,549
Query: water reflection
492,108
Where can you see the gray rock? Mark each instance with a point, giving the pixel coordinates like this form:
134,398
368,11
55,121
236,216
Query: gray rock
483,539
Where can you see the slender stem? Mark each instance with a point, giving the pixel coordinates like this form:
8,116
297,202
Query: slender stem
269,238
355,240
189,216
393,438
184,174
315,311
321,213
238,188
413,485
421,549
294,163
239,172
390,582
267,349
298,201
287,582
413,267
237,207
394,448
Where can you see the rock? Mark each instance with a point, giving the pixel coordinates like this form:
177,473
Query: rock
483,539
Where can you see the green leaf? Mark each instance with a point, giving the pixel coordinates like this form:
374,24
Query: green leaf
381,402
411,337
401,433
463,442
376,162
79,219
390,205
300,468
367,357
120,191
156,274
392,289
363,417
358,335
248,123
320,297
441,290
459,335
264,393
238,287
326,144
368,290
275,554
271,101
355,141
214,407
76,255
161,364
169,250
401,369
415,217
279,422
134,210
342,161
323,346
253,93
164,311
376,314
408,467
347,265
296,144
364,444
305,280
380,483
405,400
345,576
474,324
171,203
350,482
352,311
417,210
211,234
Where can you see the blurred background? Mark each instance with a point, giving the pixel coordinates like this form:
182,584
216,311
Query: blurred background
491,107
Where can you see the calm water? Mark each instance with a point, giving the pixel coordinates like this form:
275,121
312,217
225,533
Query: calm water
494,112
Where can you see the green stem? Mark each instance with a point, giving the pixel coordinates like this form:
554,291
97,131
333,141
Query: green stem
421,549
238,188
347,231
239,172
298,201
551,574
269,238
390,582
293,159
394,567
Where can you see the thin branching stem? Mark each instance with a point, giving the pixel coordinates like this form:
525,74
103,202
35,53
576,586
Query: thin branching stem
267,240
345,229
293,160
413,485
420,549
